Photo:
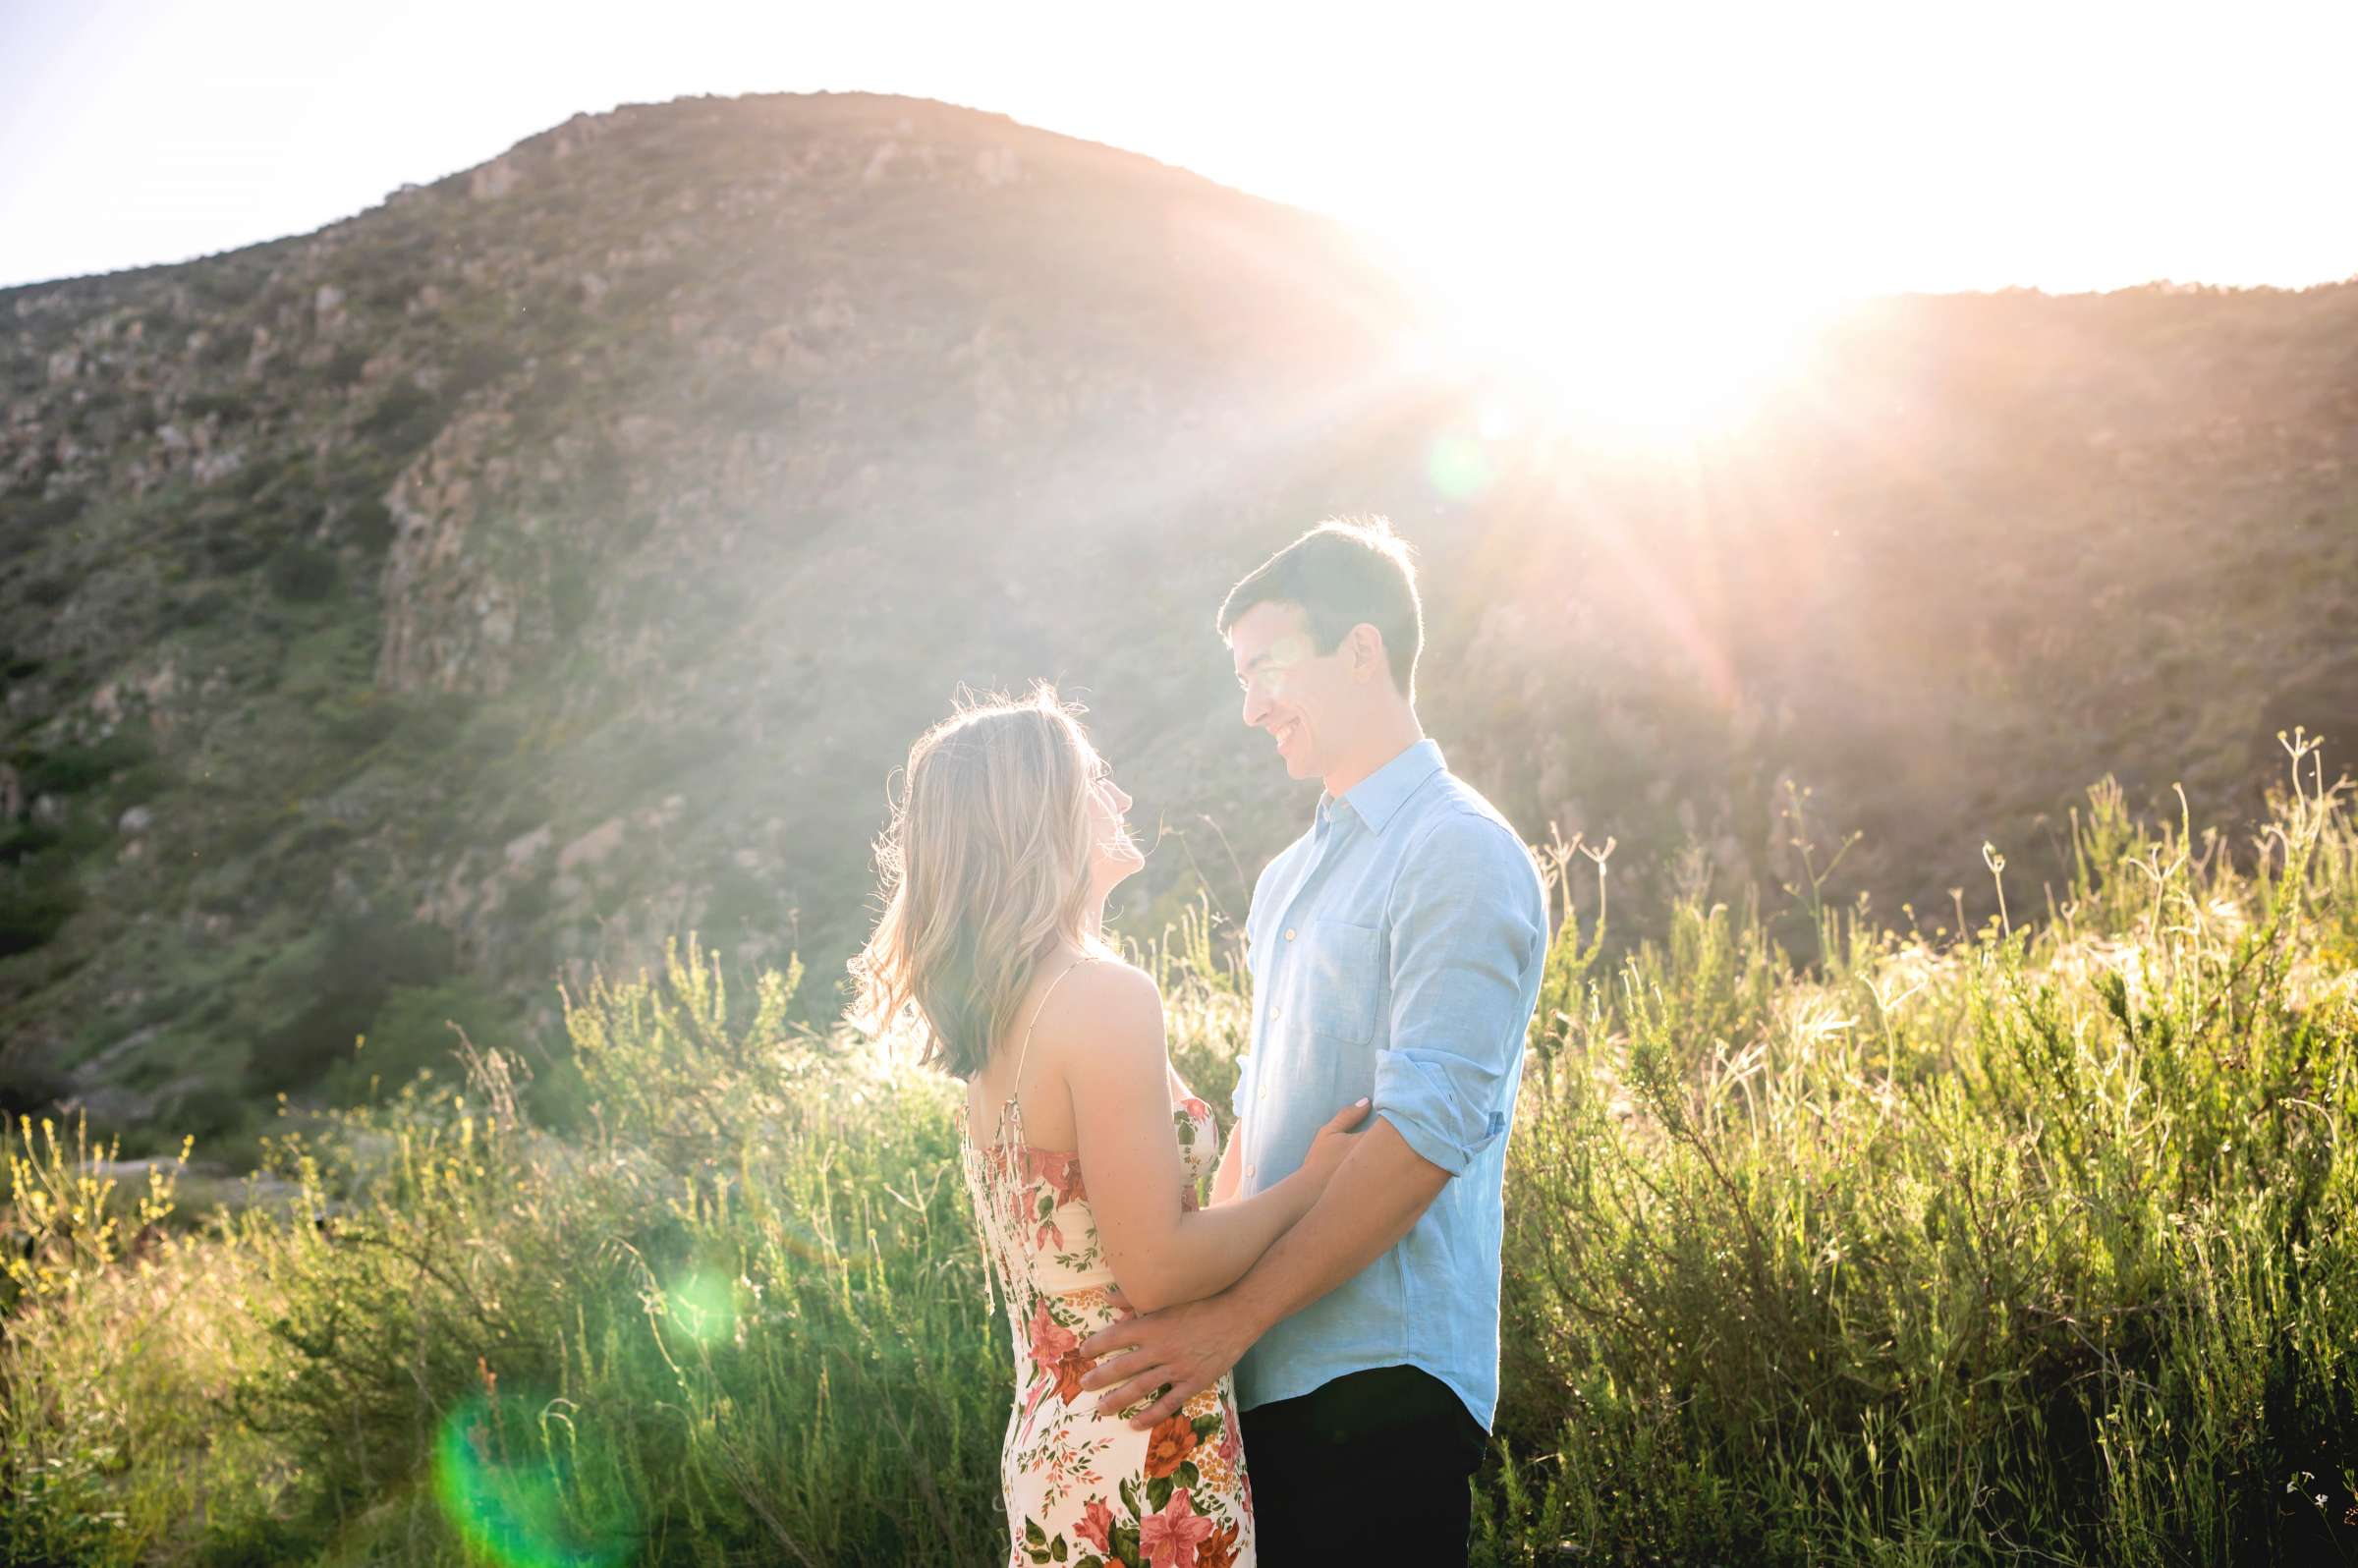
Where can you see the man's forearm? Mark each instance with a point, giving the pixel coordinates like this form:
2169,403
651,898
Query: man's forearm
1375,1196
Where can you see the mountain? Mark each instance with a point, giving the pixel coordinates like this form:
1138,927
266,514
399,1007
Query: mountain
400,617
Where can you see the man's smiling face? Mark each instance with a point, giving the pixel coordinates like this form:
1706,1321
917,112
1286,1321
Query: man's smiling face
1299,697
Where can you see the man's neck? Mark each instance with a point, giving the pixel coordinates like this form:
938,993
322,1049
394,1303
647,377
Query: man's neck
1393,738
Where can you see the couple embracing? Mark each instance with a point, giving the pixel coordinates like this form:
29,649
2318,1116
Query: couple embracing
1304,1369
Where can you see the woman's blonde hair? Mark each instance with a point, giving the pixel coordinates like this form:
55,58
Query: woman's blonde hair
985,869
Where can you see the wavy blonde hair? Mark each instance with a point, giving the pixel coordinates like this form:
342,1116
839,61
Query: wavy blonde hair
985,869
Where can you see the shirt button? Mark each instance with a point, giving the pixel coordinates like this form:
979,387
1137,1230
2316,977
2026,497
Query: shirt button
1262,1092
1248,1168
1289,933
1276,1011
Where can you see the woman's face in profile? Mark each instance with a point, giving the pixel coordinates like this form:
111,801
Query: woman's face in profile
1113,855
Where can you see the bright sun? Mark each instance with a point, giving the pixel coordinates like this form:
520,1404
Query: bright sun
1659,360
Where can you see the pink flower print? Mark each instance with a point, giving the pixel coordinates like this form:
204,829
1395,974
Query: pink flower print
1232,1450
1095,1525
1060,1169
1052,1342
1170,1538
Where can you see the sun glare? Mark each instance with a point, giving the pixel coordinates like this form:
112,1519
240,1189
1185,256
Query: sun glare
1651,360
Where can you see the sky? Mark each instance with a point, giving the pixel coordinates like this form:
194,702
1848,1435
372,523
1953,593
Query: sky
1765,151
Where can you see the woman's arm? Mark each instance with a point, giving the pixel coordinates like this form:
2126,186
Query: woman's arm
1232,1158
1232,1166
1107,1041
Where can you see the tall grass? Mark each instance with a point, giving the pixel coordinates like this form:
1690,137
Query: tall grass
2024,1245
2033,1247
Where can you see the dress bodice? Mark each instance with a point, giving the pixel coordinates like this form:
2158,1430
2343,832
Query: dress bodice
1033,1204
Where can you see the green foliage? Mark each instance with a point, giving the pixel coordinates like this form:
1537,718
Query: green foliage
35,907
343,367
25,520
2027,1246
403,420
78,767
301,572
742,1313
412,1029
65,1228
314,996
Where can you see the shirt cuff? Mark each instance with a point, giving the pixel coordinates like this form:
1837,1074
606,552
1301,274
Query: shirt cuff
1440,1103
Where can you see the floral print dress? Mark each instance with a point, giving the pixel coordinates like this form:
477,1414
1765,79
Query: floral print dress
1083,1490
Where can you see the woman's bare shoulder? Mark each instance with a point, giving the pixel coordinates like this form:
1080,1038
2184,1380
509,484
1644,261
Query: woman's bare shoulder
1107,1006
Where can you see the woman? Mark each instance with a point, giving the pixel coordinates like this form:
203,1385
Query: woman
1006,841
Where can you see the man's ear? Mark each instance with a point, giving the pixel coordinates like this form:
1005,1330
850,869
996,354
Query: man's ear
1366,652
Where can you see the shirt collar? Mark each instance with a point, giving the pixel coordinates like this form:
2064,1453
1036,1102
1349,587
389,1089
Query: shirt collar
1382,794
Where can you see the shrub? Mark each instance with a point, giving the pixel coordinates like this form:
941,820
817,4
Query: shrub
312,997
34,907
1975,1248
301,572
2026,1246
694,1326
411,1028
343,368
403,420
78,767
368,524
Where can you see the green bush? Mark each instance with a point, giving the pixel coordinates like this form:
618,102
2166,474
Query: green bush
79,767
34,907
411,1029
312,997
302,573
343,368
403,420
2030,1245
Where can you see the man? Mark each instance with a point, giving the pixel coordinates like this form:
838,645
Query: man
1396,949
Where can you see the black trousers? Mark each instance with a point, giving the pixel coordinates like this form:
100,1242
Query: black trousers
1371,1467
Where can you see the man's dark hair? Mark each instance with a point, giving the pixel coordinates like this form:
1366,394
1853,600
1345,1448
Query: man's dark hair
1342,572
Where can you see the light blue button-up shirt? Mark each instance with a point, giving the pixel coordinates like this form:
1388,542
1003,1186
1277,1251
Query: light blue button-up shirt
1395,950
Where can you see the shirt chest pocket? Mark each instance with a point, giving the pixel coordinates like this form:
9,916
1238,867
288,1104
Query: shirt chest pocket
1341,978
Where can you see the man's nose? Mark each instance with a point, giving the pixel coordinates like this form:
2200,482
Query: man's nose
1256,706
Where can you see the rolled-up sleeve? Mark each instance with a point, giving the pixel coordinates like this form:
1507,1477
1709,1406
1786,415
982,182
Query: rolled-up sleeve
1468,925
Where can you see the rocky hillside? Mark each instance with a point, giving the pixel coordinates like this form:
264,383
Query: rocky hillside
400,617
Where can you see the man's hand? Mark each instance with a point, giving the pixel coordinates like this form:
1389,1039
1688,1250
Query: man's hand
1186,1346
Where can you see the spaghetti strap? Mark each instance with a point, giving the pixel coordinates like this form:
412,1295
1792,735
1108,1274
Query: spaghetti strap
1016,1083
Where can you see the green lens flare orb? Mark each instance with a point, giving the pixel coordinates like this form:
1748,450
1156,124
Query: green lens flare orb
505,1483
1458,466
702,1307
